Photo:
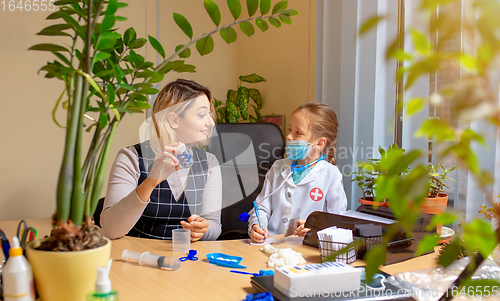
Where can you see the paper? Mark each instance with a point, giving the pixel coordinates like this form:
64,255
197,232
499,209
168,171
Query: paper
270,240
334,239
369,217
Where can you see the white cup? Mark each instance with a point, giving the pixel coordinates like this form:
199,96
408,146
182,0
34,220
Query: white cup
181,240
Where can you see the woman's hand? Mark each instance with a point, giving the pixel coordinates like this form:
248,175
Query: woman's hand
301,230
258,235
165,163
198,226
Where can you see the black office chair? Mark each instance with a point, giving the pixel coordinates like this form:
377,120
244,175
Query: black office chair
97,212
246,151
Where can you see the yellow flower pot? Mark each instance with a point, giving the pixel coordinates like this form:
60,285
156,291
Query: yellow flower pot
63,276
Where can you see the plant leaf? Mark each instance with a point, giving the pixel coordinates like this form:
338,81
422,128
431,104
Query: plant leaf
101,56
427,244
265,6
479,234
129,36
262,24
112,7
111,93
280,7
228,35
235,8
242,101
286,19
415,105
185,53
157,46
110,35
421,42
252,78
54,30
274,22
247,28
290,12
252,6
440,128
137,43
213,11
231,96
183,24
107,23
257,98
205,45
105,44
47,47
368,24
233,112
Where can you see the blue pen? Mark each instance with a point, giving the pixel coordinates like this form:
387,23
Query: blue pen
258,217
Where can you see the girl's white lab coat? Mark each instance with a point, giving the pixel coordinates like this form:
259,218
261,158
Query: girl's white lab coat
320,190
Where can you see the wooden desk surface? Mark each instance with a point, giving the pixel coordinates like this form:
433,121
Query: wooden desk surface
197,280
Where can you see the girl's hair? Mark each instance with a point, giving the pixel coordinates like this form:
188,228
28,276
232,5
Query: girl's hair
174,97
323,123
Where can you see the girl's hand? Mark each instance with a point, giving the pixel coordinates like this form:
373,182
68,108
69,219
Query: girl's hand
301,231
258,235
165,163
198,226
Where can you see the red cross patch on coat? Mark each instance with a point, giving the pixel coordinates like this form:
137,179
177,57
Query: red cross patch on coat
316,194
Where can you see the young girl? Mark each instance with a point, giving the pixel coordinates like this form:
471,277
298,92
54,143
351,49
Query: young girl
149,194
307,180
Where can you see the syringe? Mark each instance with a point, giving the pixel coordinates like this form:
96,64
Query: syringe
152,260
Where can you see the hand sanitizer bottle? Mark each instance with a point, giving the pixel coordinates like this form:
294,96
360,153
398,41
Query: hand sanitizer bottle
17,275
185,158
103,291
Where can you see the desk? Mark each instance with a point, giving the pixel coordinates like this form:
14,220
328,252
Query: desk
196,280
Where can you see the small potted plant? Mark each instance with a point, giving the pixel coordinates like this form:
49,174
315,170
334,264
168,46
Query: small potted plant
369,173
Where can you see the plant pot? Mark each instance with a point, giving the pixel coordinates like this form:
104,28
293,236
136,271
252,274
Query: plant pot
62,276
369,201
435,205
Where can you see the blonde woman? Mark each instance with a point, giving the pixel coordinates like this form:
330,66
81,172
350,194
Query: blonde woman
149,194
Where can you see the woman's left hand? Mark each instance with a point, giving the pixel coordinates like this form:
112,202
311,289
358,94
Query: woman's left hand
301,230
198,226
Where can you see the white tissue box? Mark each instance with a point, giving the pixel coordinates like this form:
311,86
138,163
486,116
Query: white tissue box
328,279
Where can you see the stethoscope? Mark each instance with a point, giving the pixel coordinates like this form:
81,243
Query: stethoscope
294,168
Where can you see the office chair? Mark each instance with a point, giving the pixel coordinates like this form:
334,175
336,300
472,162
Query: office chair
245,151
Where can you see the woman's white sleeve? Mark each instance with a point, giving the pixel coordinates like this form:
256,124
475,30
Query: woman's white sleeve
212,199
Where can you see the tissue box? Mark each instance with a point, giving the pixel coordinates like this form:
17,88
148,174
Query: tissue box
325,279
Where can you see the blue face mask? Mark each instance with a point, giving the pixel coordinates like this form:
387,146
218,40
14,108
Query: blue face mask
298,149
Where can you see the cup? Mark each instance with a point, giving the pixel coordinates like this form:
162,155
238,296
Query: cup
181,239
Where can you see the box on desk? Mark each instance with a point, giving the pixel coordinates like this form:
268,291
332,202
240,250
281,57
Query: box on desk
403,246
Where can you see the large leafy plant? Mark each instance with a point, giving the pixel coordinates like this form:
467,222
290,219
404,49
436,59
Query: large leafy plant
237,102
473,97
105,78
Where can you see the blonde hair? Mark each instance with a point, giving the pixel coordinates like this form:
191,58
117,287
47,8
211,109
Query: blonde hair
174,97
323,123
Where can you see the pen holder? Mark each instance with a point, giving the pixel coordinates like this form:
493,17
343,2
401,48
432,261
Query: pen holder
368,243
329,248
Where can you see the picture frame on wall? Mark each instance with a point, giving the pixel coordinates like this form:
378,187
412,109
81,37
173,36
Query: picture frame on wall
278,119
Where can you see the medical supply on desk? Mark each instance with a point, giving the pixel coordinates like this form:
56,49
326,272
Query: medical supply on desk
181,240
328,277
103,290
152,260
281,257
267,296
191,256
261,273
185,158
17,275
225,260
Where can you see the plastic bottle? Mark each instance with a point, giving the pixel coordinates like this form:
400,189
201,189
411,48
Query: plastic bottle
185,158
17,275
103,291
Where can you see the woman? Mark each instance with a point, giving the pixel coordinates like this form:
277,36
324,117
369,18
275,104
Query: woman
148,194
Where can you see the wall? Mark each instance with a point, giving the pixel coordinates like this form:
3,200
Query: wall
32,144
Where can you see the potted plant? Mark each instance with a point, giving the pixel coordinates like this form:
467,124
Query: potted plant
238,100
104,79
368,174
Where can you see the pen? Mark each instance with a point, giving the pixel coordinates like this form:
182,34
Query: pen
258,217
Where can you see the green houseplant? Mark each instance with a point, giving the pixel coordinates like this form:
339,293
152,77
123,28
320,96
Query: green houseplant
470,98
369,173
104,79
237,102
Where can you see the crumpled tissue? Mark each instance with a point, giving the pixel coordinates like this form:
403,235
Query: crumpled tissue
281,257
